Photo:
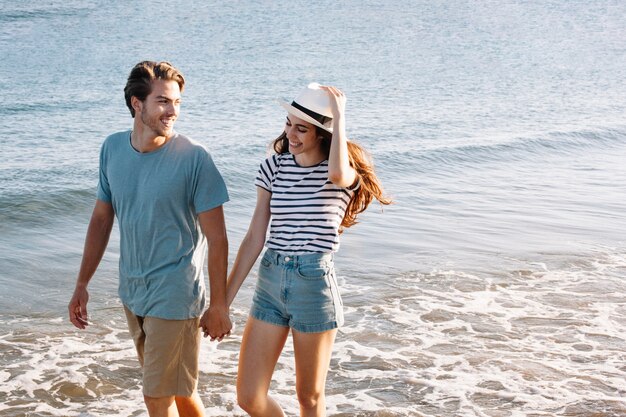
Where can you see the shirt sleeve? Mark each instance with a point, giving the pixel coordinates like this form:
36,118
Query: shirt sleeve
104,190
267,173
209,190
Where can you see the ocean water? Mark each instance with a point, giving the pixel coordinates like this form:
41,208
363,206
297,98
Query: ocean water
493,286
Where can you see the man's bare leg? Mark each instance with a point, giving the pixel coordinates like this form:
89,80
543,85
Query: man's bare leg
190,406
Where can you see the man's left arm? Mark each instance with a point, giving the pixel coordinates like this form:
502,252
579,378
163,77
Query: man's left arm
215,322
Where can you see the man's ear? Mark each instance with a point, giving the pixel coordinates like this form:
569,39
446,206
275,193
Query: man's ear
136,103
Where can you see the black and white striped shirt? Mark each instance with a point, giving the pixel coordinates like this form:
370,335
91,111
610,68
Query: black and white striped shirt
306,207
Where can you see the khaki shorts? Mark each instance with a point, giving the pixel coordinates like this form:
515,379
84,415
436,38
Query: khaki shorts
168,352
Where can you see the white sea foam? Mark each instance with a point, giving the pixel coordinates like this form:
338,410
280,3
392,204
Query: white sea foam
545,339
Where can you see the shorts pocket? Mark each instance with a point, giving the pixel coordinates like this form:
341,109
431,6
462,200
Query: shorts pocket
313,271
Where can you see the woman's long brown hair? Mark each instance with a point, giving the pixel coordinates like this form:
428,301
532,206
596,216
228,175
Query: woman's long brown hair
370,187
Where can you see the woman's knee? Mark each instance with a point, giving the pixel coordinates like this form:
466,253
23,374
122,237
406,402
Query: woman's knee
310,399
249,401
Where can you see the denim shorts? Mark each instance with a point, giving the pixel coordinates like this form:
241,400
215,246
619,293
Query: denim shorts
298,291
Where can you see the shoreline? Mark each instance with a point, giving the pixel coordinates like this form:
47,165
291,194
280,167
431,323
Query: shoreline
523,341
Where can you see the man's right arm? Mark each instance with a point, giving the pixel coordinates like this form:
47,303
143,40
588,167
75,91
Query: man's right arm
96,242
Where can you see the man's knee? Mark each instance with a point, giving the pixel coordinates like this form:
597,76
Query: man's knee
190,406
159,406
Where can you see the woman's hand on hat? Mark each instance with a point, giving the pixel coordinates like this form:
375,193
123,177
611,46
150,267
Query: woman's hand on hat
337,101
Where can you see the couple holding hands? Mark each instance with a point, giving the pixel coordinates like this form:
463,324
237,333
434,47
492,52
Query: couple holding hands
167,196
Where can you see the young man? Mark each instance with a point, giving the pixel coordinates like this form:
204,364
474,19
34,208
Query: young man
167,196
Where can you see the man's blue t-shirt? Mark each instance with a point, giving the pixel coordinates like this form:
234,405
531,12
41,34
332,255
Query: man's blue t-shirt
157,197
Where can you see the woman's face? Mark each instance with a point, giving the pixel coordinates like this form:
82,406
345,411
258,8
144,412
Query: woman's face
304,143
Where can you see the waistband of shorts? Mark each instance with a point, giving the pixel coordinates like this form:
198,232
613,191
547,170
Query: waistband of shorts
278,258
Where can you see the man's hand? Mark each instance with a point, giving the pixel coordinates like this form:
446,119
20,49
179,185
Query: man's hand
96,242
215,322
78,307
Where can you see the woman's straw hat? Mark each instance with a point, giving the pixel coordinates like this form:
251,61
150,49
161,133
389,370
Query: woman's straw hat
312,105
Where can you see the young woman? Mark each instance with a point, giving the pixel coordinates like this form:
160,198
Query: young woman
312,188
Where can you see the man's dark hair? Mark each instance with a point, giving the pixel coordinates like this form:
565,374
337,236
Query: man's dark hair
139,83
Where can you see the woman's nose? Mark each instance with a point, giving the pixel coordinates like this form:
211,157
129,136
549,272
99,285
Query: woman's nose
288,131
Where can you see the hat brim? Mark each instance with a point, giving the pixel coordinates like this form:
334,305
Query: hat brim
301,115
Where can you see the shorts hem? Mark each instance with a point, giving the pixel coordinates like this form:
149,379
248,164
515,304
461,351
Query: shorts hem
300,327
316,328
268,318
171,393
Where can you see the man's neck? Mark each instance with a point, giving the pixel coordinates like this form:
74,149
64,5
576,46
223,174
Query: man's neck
145,141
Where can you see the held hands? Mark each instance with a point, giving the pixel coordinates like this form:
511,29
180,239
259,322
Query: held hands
78,308
215,323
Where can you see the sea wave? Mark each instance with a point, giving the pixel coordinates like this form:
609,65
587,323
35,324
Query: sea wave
39,11
521,148
51,106
34,208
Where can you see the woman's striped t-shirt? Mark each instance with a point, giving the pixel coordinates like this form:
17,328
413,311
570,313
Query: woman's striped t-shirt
306,207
